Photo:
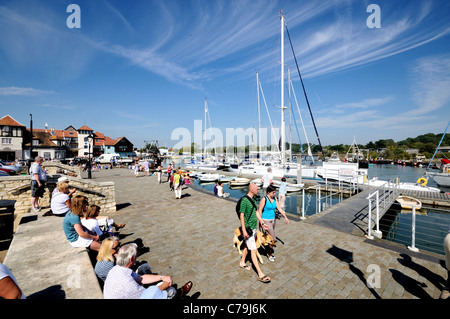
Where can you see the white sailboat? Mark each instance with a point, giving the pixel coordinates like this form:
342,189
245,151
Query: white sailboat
280,167
206,164
442,178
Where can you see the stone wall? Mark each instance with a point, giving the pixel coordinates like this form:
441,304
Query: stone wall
58,168
18,188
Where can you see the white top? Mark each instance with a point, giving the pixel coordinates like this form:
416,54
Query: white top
220,191
91,225
58,203
35,168
267,178
5,272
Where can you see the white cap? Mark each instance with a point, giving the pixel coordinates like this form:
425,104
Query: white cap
62,179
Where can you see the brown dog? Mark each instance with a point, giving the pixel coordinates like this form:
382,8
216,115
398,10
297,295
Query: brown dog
262,240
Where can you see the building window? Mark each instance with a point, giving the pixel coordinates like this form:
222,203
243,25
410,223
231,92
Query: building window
6,131
6,140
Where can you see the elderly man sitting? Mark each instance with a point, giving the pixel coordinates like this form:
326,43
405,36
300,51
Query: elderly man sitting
123,283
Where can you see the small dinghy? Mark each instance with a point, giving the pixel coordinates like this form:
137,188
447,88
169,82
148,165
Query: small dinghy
226,179
408,202
240,181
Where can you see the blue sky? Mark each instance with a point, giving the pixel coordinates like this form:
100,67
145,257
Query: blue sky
141,69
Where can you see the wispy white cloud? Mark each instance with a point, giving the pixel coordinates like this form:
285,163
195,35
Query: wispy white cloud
364,104
430,95
191,42
431,84
13,90
61,107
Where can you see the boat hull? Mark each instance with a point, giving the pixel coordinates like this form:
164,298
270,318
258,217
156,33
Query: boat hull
442,179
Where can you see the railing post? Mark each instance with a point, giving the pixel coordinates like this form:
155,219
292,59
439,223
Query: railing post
378,233
413,231
303,204
369,230
320,203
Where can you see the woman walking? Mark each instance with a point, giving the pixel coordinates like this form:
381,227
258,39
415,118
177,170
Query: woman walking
176,184
266,211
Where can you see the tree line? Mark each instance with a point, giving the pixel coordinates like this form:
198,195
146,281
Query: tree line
426,145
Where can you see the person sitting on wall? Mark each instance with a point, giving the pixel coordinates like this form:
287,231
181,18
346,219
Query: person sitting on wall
73,229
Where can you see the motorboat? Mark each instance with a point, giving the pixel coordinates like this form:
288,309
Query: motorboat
408,202
209,177
341,171
402,185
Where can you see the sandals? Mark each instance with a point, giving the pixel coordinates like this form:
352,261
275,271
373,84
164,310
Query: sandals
246,267
265,279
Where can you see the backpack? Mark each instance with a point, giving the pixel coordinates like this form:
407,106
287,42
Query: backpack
238,206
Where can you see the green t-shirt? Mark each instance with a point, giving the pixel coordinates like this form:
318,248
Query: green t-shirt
249,211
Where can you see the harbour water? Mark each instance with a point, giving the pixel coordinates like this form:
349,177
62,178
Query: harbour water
432,224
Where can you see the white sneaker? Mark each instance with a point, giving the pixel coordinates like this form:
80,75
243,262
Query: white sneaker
171,292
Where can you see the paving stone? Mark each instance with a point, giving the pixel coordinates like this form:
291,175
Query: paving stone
191,239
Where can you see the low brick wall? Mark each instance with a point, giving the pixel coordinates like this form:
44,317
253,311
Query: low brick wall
18,188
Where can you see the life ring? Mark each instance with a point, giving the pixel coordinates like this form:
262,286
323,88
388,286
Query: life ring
422,181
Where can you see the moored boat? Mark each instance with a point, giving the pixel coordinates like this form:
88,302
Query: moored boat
209,177
240,181
442,178
408,202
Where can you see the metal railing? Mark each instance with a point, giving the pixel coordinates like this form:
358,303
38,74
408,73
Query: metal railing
389,192
334,188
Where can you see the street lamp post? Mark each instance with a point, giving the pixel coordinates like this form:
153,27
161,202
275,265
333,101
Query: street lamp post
30,160
89,168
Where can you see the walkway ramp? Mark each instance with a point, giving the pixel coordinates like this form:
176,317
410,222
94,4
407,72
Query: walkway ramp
352,215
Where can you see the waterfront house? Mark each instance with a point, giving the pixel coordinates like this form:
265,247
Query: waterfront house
11,139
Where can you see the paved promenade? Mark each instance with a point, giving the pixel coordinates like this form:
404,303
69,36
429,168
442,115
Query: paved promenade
191,239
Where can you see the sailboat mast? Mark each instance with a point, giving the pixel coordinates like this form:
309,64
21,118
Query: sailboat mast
204,135
283,144
290,116
259,118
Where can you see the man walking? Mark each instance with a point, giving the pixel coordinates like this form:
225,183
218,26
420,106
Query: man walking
38,179
249,221
267,180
